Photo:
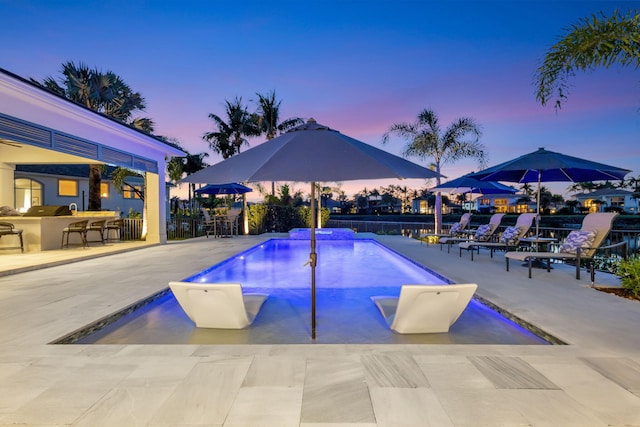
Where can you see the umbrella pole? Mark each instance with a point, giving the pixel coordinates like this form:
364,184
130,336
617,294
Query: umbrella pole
312,260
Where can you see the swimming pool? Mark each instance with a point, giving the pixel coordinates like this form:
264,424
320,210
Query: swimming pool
279,263
349,272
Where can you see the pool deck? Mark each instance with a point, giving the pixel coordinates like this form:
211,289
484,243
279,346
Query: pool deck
593,381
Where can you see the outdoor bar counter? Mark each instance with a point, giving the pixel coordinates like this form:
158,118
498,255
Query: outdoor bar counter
44,233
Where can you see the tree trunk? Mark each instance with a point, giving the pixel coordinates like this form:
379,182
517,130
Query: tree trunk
95,178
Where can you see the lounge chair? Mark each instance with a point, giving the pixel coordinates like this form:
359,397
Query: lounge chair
423,309
456,230
509,239
579,245
484,233
217,305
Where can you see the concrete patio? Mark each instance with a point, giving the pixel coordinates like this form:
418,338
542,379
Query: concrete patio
593,381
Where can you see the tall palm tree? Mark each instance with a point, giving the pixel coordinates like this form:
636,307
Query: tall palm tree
230,135
598,41
426,139
268,119
191,164
268,116
106,93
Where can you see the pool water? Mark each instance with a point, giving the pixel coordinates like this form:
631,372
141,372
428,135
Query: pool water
348,273
279,263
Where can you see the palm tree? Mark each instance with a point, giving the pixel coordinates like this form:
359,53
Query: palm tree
192,163
598,41
583,187
106,93
230,135
268,119
527,189
426,139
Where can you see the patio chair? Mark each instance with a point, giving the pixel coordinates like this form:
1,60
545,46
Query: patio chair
217,305
579,245
509,239
79,227
98,227
484,233
456,230
8,229
208,222
425,309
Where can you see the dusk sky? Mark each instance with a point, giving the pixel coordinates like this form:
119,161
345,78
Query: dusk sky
356,66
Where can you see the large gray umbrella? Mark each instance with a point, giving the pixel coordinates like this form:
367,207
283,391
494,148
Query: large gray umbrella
312,153
548,166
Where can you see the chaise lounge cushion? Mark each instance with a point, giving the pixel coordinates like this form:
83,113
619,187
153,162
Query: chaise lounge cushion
455,229
578,239
483,233
510,235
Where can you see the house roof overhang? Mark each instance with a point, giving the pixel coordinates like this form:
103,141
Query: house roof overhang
37,126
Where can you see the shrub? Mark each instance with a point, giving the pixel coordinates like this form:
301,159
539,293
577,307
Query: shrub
629,272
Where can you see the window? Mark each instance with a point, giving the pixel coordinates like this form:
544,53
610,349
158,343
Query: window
27,193
104,190
617,201
68,187
129,193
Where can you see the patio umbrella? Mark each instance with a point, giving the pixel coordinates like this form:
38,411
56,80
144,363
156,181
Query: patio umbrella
469,184
312,153
230,188
548,166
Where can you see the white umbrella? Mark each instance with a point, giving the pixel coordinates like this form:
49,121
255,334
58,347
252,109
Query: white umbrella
312,153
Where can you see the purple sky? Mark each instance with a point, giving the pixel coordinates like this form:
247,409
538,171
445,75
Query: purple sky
356,66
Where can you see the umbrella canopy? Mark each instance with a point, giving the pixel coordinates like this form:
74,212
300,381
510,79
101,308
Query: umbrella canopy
230,188
469,184
312,153
548,166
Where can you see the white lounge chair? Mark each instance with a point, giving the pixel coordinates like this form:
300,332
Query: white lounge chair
456,229
217,305
580,244
483,233
423,309
510,237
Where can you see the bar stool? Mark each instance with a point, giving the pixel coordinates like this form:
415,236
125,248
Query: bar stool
97,226
113,225
79,227
6,229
